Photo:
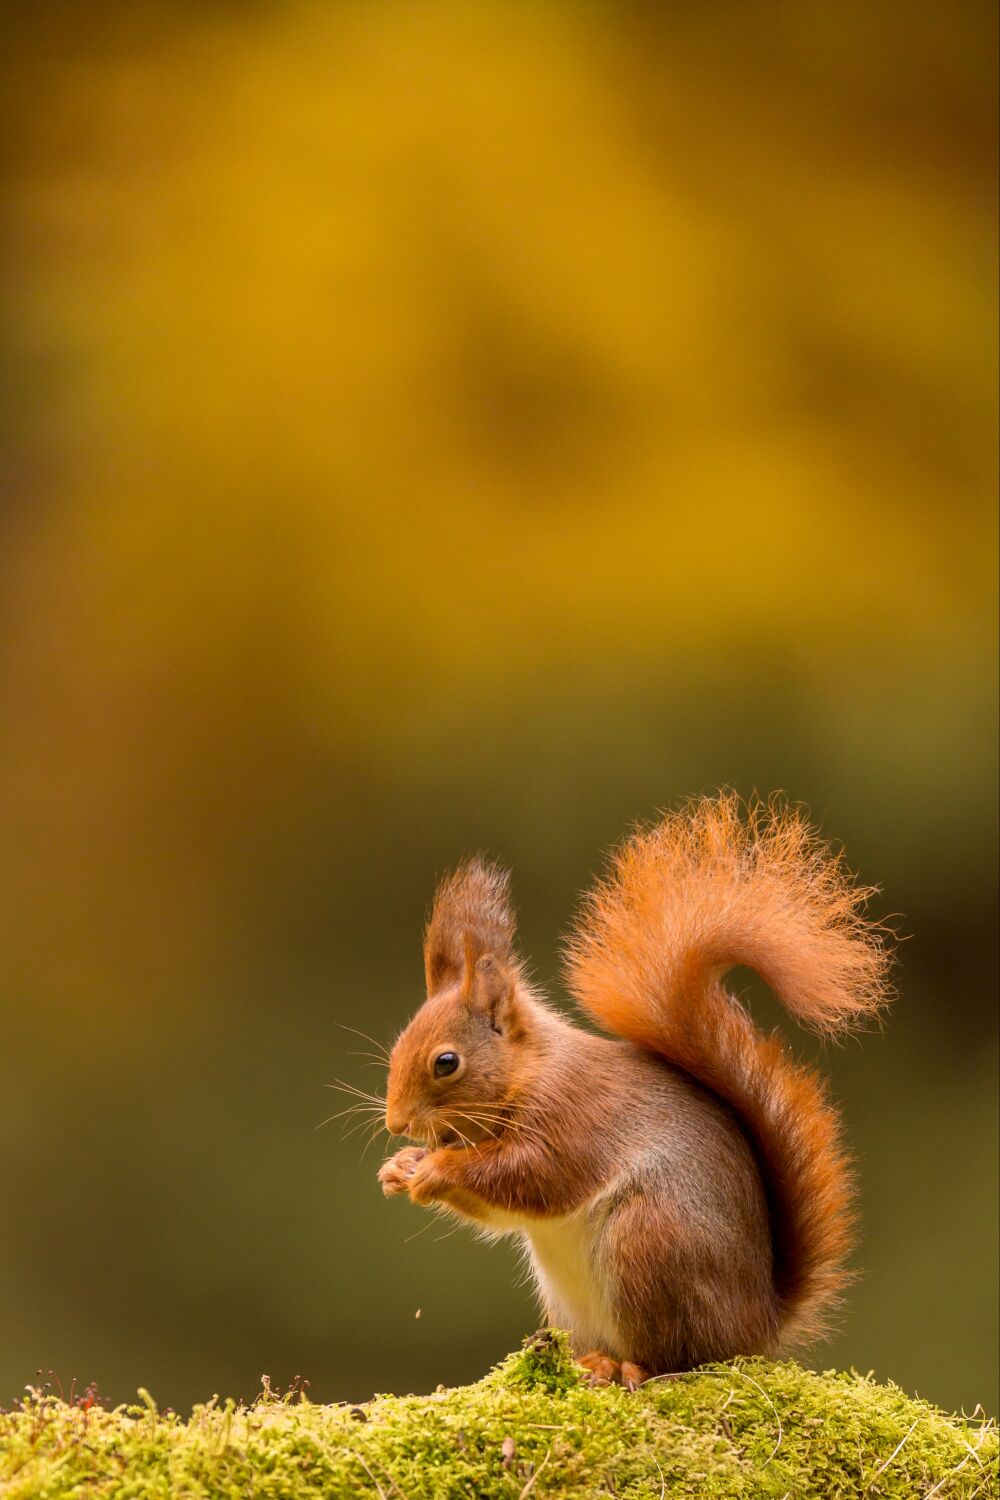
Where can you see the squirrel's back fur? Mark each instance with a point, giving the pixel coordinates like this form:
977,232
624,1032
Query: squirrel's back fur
714,885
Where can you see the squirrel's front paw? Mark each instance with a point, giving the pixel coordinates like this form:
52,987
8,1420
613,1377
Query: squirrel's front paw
396,1173
428,1180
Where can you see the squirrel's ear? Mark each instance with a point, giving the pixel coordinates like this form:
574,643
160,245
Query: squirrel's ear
471,916
439,969
488,988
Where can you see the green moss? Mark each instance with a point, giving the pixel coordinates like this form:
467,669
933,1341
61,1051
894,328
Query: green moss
531,1427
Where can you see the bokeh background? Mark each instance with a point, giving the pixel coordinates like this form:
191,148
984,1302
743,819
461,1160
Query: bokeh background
433,427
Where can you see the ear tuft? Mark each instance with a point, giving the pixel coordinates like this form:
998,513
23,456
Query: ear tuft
471,917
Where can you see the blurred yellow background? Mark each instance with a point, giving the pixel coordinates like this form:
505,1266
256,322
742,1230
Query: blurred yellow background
437,427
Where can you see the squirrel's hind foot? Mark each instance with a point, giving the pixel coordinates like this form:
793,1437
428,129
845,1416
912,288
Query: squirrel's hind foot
603,1370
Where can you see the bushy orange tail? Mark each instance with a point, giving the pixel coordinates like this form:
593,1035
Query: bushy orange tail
722,883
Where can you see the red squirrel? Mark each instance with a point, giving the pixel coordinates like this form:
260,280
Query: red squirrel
683,1192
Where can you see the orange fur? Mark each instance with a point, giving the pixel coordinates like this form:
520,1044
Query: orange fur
715,885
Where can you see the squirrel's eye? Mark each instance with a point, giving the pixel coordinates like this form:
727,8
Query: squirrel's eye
445,1063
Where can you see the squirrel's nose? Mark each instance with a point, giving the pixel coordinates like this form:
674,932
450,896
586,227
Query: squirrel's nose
396,1125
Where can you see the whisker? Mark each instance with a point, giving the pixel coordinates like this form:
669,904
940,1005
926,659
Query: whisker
476,1119
516,1127
448,1236
422,1230
471,1144
495,1115
358,1124
376,1131
473,1120
526,1136
350,1088
493,1124
491,1107
369,1101
330,1118
354,1109
366,1038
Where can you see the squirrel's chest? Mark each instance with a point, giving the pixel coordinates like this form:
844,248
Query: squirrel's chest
566,1259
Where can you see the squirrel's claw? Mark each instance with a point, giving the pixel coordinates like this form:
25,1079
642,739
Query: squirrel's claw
633,1375
603,1370
396,1173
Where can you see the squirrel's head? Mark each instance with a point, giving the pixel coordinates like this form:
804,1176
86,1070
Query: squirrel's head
453,1067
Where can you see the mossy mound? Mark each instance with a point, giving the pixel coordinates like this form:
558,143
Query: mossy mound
530,1428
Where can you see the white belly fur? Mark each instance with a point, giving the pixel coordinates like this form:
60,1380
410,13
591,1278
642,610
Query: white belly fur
562,1254
563,1257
